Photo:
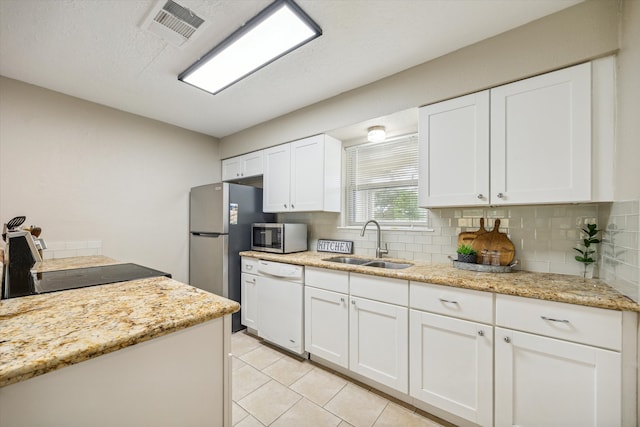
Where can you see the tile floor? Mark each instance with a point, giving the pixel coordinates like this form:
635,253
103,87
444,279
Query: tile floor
272,388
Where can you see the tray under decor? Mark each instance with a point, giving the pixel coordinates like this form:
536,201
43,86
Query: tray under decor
484,268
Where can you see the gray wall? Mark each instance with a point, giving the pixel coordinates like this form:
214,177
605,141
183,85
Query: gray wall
576,34
98,179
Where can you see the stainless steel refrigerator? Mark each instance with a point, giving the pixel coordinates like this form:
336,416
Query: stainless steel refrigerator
220,227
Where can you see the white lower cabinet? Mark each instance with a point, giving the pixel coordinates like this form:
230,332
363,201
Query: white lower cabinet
562,365
379,342
326,325
451,365
476,358
548,382
249,300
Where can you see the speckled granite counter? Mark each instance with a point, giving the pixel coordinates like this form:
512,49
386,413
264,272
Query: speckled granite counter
41,333
552,287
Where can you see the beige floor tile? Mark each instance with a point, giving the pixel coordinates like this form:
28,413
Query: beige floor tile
306,413
245,380
261,357
249,421
395,415
357,405
346,424
319,386
242,343
269,401
237,413
236,363
288,370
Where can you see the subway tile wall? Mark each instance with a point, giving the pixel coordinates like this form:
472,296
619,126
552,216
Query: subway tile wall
62,249
620,254
544,237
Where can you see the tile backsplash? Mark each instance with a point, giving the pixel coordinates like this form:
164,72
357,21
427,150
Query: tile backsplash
61,249
544,237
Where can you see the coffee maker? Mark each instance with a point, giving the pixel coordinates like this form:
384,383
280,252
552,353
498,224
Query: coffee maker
21,258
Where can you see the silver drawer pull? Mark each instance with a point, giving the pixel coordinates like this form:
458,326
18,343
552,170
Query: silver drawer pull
554,320
448,301
481,333
249,267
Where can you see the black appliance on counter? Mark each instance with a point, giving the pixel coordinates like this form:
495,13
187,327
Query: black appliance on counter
21,260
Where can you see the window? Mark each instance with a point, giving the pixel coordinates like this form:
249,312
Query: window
382,183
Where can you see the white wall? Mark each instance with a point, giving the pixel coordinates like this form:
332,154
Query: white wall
89,173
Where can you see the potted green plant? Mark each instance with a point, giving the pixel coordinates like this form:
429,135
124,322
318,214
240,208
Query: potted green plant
466,253
586,254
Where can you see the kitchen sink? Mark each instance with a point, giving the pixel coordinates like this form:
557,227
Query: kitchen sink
348,260
369,262
387,264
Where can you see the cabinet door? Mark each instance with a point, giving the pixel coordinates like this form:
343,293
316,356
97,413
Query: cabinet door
541,138
543,381
326,325
307,174
451,365
252,164
249,301
379,342
231,168
454,152
276,181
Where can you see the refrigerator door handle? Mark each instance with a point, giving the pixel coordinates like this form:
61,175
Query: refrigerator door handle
198,233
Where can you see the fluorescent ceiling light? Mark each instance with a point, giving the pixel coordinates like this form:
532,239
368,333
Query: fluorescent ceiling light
280,28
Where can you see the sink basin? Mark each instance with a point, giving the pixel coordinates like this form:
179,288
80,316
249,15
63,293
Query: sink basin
348,260
369,262
387,264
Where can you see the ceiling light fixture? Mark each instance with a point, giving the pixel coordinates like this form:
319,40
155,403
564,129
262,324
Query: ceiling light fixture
279,29
376,134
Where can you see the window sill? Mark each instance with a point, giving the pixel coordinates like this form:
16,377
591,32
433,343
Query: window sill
390,228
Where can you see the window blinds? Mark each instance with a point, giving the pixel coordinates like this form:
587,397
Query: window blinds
382,183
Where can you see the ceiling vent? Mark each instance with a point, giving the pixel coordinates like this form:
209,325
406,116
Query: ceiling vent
171,22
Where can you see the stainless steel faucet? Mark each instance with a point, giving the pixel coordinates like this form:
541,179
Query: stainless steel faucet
379,250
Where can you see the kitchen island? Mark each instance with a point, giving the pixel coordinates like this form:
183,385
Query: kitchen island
143,352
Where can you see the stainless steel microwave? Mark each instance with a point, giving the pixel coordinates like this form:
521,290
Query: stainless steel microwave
278,237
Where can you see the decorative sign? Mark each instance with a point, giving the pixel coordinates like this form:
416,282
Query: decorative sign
337,246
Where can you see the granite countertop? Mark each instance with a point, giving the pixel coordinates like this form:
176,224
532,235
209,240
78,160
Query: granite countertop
42,333
545,286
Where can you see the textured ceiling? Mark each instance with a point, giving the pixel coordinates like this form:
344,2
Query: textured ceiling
97,50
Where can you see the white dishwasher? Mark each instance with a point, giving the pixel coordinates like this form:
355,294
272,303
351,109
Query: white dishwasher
280,304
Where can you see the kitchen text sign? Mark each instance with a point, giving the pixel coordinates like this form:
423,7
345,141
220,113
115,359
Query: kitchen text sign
337,246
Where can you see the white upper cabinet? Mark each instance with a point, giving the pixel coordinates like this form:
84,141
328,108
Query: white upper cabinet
277,179
527,142
541,138
303,175
454,152
240,167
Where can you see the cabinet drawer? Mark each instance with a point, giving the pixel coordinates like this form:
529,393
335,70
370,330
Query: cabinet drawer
450,301
587,325
330,280
249,265
393,291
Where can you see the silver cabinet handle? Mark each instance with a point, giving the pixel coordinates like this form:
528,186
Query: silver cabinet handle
341,299
507,340
292,207
448,301
554,320
285,205
500,195
480,196
249,267
481,333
